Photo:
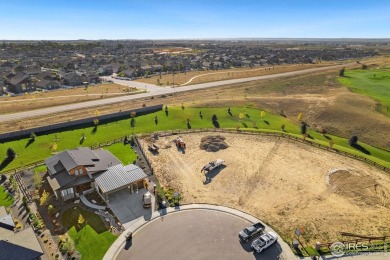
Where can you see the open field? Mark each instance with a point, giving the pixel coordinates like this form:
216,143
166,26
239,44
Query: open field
61,97
374,83
284,183
195,77
92,230
29,152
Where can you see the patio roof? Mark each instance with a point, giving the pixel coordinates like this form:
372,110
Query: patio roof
118,177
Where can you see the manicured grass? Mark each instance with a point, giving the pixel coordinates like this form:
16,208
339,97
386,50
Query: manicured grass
176,119
41,168
5,199
92,239
374,83
123,152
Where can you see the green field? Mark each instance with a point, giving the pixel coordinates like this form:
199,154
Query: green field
92,239
176,119
374,83
5,199
124,153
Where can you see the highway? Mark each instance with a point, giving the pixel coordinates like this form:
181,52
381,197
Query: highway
152,90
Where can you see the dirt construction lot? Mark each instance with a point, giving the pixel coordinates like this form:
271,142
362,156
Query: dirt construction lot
286,184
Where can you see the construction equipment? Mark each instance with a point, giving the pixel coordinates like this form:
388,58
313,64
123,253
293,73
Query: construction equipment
153,148
212,165
180,144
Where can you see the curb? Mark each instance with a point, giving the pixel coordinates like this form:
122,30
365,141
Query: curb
137,224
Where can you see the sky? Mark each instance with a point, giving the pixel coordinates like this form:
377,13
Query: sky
198,19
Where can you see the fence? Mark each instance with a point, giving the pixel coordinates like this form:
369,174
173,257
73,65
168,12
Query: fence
275,134
221,130
85,121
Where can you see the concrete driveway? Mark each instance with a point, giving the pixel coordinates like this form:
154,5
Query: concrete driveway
194,234
128,207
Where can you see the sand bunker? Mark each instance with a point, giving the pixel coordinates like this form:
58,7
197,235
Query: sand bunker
213,143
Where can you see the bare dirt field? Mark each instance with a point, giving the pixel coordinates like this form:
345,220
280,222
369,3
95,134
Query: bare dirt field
286,184
61,96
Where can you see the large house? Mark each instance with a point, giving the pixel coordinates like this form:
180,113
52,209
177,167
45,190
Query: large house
75,172
21,245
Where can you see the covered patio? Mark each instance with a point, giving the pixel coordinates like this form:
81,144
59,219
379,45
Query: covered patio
122,187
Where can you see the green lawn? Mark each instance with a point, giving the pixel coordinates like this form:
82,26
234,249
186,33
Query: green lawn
123,152
176,119
40,169
93,239
5,199
374,83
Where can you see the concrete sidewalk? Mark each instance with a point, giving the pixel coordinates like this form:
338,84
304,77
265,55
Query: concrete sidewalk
118,245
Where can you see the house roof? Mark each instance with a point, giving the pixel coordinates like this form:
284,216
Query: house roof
119,176
45,82
22,245
60,164
6,221
19,78
60,179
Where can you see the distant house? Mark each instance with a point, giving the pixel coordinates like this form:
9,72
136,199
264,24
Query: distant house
92,77
21,83
129,73
22,245
73,79
75,172
48,84
106,70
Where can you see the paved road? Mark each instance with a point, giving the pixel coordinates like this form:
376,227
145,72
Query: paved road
152,91
193,234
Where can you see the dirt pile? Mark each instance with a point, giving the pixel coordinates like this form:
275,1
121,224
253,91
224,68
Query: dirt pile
213,143
359,187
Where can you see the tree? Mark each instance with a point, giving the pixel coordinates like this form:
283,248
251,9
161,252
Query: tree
133,114
33,136
262,114
214,118
53,147
132,122
241,116
44,197
342,72
303,128
95,122
10,153
353,140
81,220
300,115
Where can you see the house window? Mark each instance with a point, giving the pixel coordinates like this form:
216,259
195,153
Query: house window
66,192
78,171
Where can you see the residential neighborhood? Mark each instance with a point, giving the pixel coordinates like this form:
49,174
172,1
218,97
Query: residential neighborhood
46,65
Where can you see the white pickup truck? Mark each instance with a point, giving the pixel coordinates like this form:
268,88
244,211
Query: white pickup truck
264,241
